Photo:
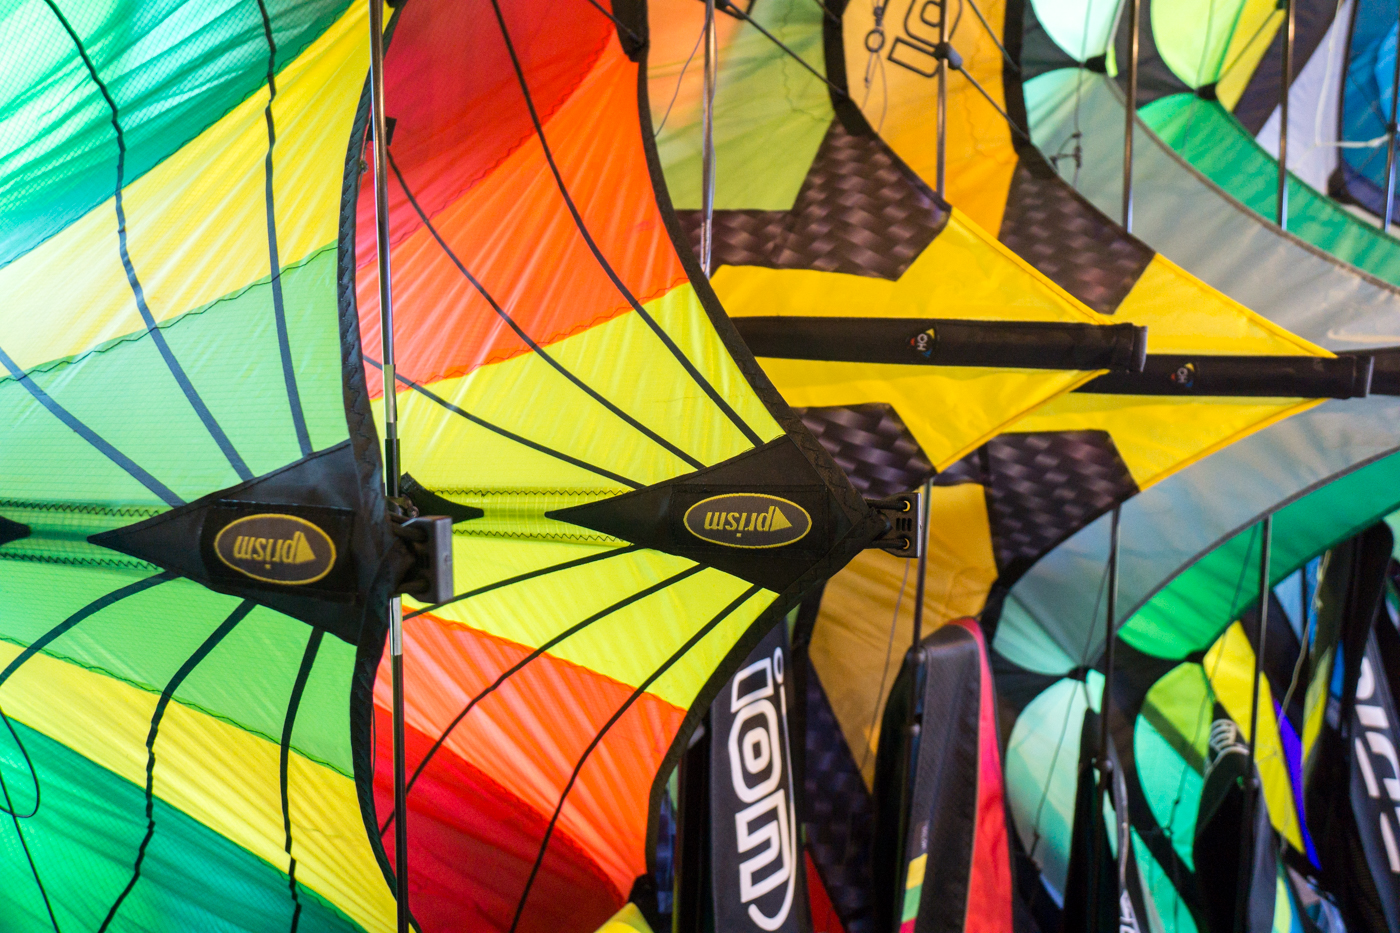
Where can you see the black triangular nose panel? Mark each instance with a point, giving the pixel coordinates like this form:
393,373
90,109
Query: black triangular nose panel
298,540
765,516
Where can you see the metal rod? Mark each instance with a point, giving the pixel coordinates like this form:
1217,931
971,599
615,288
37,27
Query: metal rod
1134,13
1105,712
941,166
1390,149
1286,81
707,141
391,438
922,562
1251,788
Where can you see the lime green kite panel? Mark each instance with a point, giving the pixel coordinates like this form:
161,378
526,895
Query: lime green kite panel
751,122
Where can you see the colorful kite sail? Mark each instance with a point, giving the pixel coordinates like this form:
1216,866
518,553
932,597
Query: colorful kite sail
1076,113
828,240
1183,697
1071,459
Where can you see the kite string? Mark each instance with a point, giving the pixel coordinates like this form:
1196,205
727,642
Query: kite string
680,79
615,21
1064,725
1207,700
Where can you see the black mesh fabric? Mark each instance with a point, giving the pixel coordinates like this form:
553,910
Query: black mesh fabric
872,444
1045,486
1051,226
860,210
839,817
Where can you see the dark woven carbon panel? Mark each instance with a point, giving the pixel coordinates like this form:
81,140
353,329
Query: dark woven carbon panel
1046,486
1051,226
871,443
966,470
860,210
839,820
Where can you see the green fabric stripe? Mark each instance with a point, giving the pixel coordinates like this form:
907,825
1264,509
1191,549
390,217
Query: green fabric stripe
770,114
144,639
1182,703
84,837
1212,140
1173,912
1191,611
174,67
124,392
911,903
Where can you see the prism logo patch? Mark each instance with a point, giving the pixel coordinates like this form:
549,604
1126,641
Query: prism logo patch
748,520
273,548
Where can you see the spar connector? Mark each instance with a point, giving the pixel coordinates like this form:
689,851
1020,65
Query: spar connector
904,531
945,51
428,538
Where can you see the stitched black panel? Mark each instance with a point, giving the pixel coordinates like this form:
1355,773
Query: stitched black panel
872,444
839,817
1051,226
860,210
1046,486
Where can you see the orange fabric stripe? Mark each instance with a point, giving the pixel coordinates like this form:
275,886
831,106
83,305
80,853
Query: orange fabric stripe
514,233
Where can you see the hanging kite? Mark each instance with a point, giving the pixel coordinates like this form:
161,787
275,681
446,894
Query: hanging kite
198,721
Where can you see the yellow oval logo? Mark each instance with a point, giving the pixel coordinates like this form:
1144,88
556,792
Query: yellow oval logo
276,548
747,520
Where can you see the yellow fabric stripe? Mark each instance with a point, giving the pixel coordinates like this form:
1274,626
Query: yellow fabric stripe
1156,435
627,920
850,642
900,104
628,644
963,274
1185,315
1230,666
1247,47
197,222
221,775
621,359
916,872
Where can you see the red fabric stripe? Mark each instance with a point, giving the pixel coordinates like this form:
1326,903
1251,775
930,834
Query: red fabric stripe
528,734
989,882
824,919
471,846
465,142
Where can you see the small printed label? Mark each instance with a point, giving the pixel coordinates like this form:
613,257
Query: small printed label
273,548
748,520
